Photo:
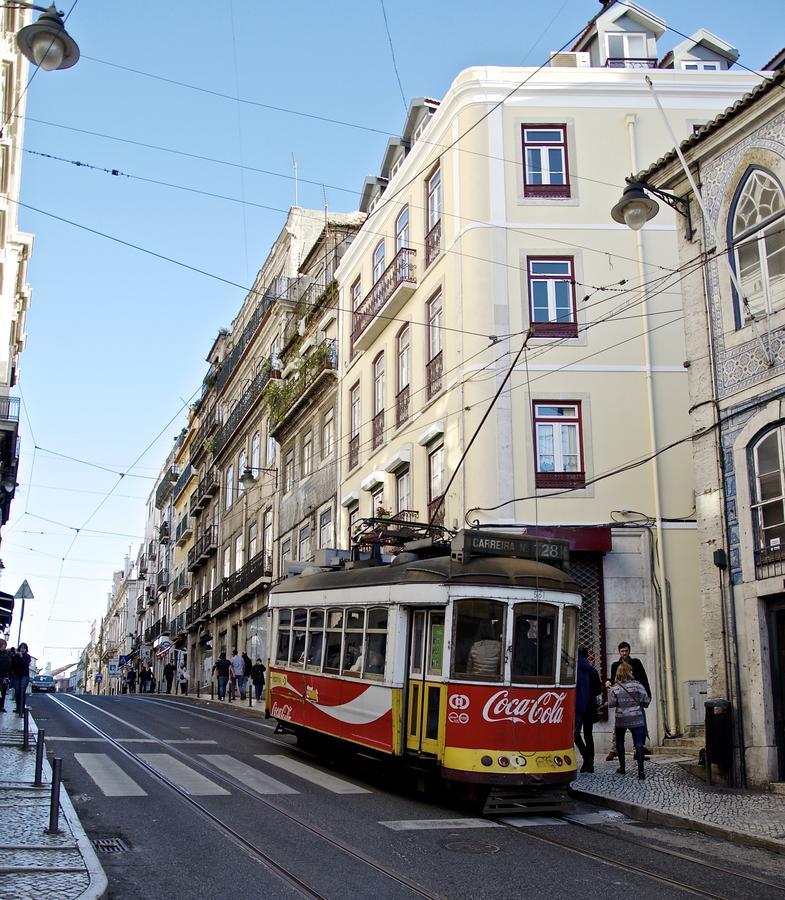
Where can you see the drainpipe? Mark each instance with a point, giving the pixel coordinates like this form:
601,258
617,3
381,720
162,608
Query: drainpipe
671,719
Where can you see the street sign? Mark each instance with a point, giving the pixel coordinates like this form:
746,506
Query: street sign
24,591
113,666
99,678
123,660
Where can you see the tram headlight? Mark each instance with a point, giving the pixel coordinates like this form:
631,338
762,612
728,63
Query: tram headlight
504,762
486,761
558,760
568,760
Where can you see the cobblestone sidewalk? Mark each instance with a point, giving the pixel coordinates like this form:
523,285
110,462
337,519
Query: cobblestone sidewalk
35,865
671,796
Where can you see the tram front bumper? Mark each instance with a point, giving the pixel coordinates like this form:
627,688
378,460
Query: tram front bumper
509,766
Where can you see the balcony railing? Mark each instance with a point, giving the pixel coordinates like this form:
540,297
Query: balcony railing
205,544
207,487
162,581
219,595
433,376
140,605
142,568
181,482
377,434
569,480
209,422
286,397
182,584
436,511
151,551
433,243
165,486
163,533
402,407
256,569
354,451
184,530
401,271
232,358
243,407
9,409
150,593
769,562
630,62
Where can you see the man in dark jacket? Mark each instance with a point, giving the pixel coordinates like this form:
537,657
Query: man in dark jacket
638,673
169,671
222,667
588,687
20,676
5,673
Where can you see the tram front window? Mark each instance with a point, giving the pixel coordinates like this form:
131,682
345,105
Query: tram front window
353,642
533,643
479,628
569,639
284,625
334,636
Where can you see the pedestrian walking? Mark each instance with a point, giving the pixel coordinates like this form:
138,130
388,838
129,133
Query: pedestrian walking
629,697
131,679
638,672
182,677
238,675
144,679
5,673
153,682
588,690
20,676
223,668
257,677
169,673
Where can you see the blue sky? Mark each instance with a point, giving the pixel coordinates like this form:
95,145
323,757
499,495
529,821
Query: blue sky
117,337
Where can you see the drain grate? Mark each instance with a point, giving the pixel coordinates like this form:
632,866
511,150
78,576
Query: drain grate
109,845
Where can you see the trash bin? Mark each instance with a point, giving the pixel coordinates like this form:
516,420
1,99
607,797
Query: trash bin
719,735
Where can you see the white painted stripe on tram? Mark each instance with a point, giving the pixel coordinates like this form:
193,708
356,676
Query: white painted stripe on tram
314,775
250,777
111,780
438,824
191,781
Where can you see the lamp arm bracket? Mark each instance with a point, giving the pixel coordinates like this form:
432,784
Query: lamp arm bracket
19,4
680,204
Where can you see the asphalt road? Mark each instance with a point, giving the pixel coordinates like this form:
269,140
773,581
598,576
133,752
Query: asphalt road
208,802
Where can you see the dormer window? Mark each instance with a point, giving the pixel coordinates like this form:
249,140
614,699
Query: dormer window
700,66
627,50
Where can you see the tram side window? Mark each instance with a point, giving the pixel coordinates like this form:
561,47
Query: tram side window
284,635
298,636
479,628
333,639
313,656
534,642
569,638
376,643
352,662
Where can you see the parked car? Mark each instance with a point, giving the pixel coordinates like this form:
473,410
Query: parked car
43,683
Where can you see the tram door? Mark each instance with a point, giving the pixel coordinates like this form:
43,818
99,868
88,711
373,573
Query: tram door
427,691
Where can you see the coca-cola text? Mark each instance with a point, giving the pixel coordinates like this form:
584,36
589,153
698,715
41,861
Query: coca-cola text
546,709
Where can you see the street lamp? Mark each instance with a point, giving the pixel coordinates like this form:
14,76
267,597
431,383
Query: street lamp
45,42
247,477
636,207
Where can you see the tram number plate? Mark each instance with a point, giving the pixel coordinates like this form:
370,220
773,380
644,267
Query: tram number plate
467,544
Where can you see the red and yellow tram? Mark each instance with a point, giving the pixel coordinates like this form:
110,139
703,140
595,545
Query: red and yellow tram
460,657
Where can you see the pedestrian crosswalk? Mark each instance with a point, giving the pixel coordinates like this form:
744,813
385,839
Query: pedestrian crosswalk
114,780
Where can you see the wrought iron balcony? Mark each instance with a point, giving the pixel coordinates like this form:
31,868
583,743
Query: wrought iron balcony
165,486
9,409
436,511
569,480
208,486
402,406
140,605
208,423
377,433
182,584
354,451
245,404
162,581
433,376
182,481
163,533
219,595
630,62
151,552
205,545
287,398
142,568
769,562
433,243
395,285
150,593
256,571
184,530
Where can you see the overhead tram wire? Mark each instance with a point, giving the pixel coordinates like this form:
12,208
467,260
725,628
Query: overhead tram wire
392,54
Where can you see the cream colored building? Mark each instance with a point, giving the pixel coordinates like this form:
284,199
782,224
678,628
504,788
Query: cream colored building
489,230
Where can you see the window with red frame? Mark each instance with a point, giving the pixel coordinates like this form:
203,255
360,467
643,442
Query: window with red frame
552,296
545,166
558,443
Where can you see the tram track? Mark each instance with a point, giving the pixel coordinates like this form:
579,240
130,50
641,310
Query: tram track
640,870
255,852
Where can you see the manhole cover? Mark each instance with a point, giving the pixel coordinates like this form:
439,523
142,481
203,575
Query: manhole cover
109,845
471,847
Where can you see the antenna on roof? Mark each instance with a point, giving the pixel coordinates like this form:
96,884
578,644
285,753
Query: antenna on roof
296,192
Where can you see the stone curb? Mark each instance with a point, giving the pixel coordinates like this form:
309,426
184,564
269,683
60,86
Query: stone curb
660,817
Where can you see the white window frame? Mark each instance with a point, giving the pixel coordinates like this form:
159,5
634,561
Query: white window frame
229,495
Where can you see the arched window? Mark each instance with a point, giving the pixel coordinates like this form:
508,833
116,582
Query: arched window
757,232
768,501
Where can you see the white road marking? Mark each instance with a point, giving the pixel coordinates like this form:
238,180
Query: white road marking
189,741
249,776
191,781
137,741
315,776
441,824
531,821
77,740
108,776
603,817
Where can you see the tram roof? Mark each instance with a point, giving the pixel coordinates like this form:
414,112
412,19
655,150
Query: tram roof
488,571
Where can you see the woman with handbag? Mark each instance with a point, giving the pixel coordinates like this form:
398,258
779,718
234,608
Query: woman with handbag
629,698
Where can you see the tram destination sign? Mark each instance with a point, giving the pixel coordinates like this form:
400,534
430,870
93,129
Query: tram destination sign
467,544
